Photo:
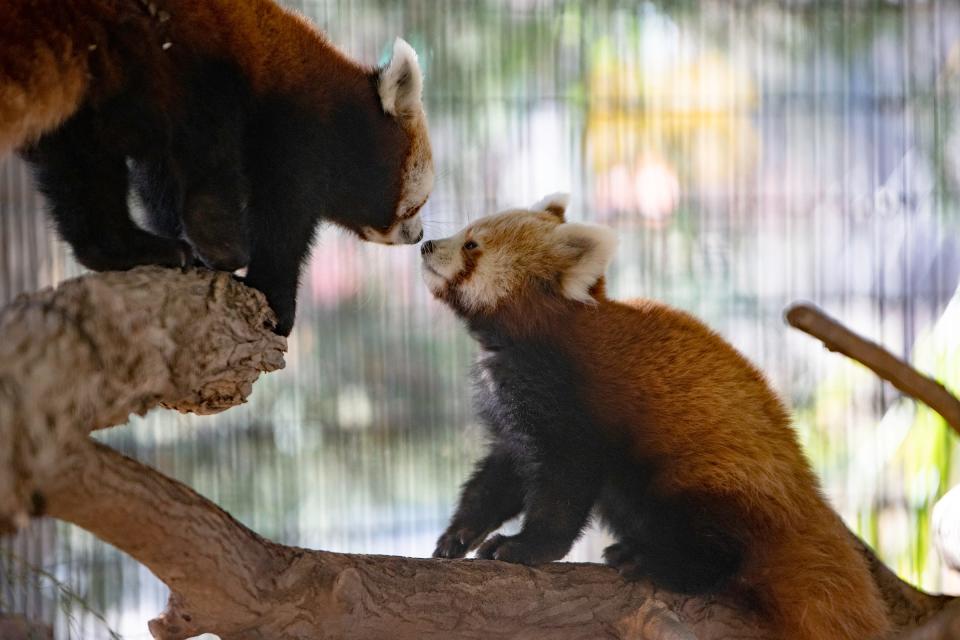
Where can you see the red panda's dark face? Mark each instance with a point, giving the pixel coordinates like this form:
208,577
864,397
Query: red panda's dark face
501,258
399,86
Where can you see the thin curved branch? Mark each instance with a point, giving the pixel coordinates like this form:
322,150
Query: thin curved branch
836,337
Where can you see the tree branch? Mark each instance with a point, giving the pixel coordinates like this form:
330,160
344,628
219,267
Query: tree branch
90,352
836,337
227,580
944,626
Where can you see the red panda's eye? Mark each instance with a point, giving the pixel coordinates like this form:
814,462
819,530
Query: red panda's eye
470,245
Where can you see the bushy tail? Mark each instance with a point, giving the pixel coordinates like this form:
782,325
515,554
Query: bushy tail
43,69
821,588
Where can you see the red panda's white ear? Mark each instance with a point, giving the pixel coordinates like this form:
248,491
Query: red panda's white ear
555,203
591,248
401,82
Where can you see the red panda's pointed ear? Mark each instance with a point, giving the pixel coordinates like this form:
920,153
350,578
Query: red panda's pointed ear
590,249
555,203
400,83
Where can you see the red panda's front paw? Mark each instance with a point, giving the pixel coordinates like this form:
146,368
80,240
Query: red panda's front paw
519,550
619,553
186,257
625,558
454,543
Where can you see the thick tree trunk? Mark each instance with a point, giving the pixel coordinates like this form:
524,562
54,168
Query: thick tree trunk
86,355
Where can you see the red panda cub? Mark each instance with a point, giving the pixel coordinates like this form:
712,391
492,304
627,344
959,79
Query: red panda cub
238,124
640,414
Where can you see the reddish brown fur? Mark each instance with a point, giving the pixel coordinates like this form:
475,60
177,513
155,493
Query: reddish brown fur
57,54
692,409
726,435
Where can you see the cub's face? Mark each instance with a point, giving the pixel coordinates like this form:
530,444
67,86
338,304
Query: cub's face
503,257
406,161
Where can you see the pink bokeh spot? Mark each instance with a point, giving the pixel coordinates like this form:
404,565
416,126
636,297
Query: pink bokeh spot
334,274
649,186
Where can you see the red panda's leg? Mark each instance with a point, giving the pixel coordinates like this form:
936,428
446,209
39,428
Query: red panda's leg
491,496
559,495
207,146
281,233
215,221
680,543
278,280
85,182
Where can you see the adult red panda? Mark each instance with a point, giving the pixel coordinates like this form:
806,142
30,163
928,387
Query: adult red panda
642,415
237,122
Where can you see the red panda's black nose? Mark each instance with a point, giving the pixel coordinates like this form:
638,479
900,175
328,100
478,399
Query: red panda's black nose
427,247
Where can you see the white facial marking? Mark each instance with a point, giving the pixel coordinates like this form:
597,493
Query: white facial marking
516,248
417,180
409,231
443,263
492,279
483,276
400,85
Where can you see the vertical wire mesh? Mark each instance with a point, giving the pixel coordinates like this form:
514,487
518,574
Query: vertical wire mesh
748,154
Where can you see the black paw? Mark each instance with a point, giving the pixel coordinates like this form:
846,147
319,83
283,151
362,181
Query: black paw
625,557
284,321
619,553
140,248
185,256
284,306
223,258
456,542
518,550
216,228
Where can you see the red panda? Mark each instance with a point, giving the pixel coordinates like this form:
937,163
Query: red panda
238,124
638,414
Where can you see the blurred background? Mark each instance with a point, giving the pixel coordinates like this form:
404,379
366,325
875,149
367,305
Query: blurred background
749,154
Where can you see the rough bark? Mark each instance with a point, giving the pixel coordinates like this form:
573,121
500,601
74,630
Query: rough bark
228,580
944,626
87,354
907,606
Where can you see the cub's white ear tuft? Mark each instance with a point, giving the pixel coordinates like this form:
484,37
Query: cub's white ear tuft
401,81
555,203
591,249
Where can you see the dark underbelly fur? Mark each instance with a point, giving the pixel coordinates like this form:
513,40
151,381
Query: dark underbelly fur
550,460
190,164
228,179
185,162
